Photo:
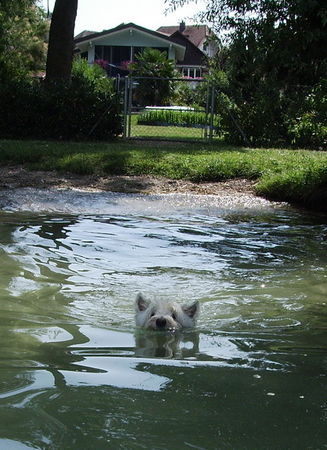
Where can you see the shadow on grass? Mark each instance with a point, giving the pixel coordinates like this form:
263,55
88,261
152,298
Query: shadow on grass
183,147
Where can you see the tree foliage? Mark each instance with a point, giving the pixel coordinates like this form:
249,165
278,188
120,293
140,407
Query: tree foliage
152,63
23,31
275,57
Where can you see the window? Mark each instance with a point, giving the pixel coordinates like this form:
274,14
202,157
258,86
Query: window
191,72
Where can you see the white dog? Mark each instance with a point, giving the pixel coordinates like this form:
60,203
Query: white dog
161,315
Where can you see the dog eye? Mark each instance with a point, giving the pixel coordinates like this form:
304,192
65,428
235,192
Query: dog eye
152,314
174,316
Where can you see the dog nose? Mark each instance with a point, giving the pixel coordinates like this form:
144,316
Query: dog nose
161,322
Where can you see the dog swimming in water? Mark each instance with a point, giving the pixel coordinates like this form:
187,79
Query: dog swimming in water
165,315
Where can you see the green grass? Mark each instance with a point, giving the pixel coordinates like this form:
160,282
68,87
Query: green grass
297,176
141,130
171,132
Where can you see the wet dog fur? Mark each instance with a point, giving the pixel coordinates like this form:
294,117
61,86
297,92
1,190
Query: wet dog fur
164,315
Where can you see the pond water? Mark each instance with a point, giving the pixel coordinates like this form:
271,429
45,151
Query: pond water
75,373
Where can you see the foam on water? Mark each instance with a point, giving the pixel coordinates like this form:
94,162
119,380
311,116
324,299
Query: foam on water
85,202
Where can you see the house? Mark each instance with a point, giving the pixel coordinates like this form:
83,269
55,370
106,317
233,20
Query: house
121,44
199,41
200,35
194,62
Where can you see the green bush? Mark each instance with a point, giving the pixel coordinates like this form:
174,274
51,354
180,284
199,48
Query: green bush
256,118
309,128
186,93
85,108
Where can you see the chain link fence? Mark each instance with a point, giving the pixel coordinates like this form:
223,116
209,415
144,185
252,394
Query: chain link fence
169,109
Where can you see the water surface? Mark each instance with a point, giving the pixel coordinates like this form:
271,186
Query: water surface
74,371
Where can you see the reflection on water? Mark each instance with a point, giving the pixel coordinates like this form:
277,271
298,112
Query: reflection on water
75,373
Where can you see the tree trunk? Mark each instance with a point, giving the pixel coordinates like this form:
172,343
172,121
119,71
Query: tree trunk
61,41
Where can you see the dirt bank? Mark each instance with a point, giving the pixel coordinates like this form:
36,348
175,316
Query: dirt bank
14,177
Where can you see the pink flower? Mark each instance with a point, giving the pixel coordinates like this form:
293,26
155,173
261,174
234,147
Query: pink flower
125,64
102,63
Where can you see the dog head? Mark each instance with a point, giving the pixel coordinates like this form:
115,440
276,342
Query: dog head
161,315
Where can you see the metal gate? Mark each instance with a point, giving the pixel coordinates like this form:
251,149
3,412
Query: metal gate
169,109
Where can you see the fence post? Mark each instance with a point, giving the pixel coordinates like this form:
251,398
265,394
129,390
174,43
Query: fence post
126,108
130,104
207,111
212,112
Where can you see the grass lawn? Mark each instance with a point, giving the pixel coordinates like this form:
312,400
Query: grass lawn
171,132
297,176
163,132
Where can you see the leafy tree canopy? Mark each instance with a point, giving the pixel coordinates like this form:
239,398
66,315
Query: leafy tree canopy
23,32
287,37
275,59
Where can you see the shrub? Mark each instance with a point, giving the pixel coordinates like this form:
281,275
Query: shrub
86,108
309,128
187,93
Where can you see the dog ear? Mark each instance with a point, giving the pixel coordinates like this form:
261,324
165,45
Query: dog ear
192,310
141,303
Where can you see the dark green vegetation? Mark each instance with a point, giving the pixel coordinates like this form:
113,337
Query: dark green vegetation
85,108
23,30
297,176
70,104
